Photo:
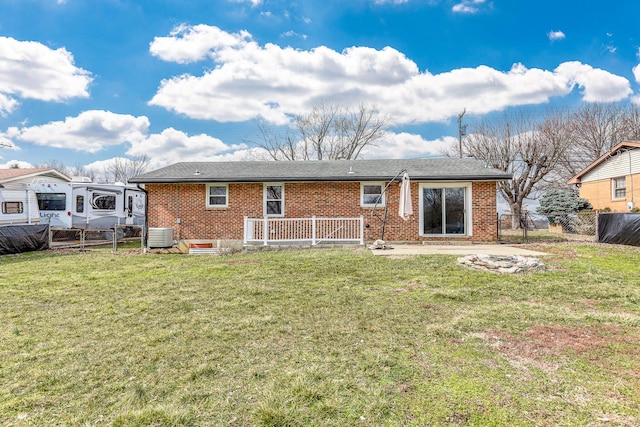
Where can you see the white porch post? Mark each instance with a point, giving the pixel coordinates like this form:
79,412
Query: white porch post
313,230
265,230
361,230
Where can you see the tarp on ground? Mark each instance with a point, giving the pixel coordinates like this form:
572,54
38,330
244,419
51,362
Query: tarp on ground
15,239
619,228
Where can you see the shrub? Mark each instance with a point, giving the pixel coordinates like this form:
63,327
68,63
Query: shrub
558,204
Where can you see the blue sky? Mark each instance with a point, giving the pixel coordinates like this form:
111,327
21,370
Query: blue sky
85,81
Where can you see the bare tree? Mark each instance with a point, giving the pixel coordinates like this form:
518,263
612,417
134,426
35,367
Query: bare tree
281,145
57,165
595,129
527,148
121,169
328,132
77,170
631,123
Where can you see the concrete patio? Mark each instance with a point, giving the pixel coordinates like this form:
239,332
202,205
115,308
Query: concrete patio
469,249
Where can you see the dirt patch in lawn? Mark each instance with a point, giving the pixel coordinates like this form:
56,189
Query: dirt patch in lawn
545,346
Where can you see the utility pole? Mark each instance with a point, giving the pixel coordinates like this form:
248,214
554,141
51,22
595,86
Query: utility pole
462,130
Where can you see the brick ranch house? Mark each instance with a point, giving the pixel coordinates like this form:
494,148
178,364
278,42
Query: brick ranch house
613,180
453,199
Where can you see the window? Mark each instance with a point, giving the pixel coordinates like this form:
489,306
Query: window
12,207
52,201
445,209
619,188
274,200
371,194
217,195
79,204
103,202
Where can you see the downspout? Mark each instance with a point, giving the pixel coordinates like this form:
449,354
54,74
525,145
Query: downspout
178,220
28,207
145,228
631,179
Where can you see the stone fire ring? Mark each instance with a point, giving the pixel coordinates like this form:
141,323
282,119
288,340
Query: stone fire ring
502,264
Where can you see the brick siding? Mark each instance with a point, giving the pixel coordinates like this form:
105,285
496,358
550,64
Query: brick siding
599,194
187,202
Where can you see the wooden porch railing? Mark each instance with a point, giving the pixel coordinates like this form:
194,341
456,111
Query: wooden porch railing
314,230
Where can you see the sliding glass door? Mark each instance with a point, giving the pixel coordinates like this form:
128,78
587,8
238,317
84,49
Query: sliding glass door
444,209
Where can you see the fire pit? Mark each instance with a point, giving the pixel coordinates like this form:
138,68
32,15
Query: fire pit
502,264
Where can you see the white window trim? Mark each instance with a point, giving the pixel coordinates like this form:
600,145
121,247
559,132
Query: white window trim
264,198
216,184
382,192
468,211
614,188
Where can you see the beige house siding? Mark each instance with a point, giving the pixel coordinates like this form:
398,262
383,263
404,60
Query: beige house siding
600,193
623,164
18,179
596,182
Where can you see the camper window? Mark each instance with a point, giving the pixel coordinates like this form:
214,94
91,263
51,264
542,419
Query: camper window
12,207
79,204
52,201
105,202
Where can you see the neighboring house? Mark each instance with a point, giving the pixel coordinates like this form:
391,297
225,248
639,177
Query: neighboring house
453,199
17,179
612,181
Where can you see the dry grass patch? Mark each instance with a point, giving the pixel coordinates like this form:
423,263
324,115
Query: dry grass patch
322,338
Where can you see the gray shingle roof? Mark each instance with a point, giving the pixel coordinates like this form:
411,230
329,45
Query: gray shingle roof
327,170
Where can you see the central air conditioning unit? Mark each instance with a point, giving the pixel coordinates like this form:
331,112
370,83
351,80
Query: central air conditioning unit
160,237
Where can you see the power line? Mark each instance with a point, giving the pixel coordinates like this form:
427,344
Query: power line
462,130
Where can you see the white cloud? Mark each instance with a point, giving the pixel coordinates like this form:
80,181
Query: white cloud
33,70
597,85
6,143
467,6
7,105
292,33
556,35
173,145
13,163
271,82
91,131
636,73
187,44
391,1
254,3
406,146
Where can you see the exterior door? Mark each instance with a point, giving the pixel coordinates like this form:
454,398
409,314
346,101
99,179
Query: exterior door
443,210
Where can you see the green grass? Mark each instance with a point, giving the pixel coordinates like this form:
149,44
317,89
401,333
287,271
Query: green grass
318,338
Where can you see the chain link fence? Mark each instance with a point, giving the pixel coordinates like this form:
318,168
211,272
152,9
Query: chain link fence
534,227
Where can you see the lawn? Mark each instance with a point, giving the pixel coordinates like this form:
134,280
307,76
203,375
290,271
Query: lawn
318,338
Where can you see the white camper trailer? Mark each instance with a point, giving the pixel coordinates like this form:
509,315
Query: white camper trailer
18,207
89,206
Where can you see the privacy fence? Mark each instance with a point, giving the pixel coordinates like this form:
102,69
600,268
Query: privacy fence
603,227
23,238
531,227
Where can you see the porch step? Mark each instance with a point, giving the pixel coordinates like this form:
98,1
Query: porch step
209,251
